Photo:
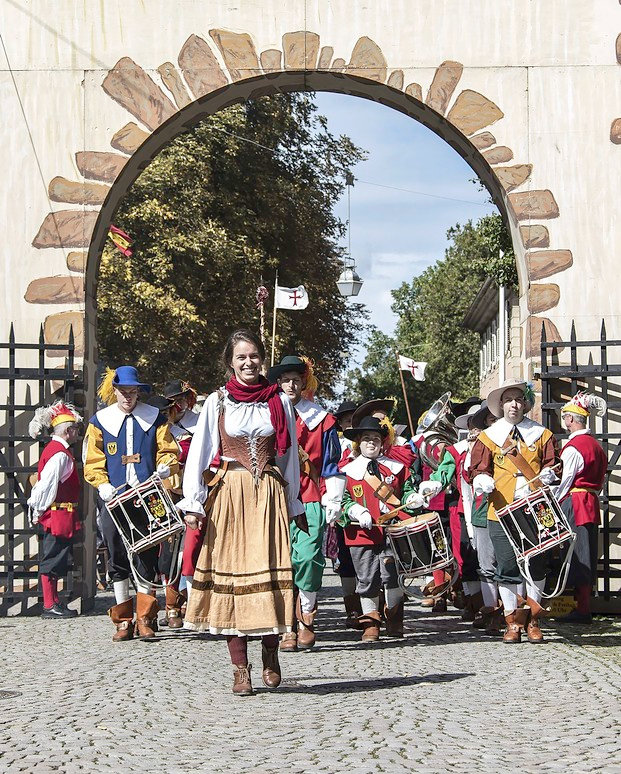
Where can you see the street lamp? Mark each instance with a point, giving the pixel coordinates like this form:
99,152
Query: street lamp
349,282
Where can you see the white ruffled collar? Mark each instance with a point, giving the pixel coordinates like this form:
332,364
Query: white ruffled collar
530,431
310,413
112,418
357,468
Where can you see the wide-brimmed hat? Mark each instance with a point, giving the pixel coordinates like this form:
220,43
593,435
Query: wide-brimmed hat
459,409
377,404
346,407
479,419
366,424
461,422
288,363
160,402
177,387
494,399
127,376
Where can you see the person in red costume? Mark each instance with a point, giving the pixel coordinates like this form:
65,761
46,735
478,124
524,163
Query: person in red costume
53,502
584,470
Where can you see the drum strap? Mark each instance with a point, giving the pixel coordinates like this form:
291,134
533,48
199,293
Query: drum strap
214,481
382,490
307,467
510,450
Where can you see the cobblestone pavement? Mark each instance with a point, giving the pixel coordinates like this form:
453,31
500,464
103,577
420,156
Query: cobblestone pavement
446,699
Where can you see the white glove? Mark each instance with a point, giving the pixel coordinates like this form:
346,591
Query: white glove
332,513
483,484
331,501
33,516
430,489
414,501
163,471
193,520
548,476
106,492
361,514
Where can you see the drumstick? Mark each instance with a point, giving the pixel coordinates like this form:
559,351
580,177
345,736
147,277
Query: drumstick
534,478
387,516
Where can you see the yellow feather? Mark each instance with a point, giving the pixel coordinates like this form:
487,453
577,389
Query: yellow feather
311,384
106,390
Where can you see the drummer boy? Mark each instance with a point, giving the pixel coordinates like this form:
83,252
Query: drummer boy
126,443
375,485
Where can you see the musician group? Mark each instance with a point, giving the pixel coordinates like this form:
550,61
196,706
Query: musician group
270,484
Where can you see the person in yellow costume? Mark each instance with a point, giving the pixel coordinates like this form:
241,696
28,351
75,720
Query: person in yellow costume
504,458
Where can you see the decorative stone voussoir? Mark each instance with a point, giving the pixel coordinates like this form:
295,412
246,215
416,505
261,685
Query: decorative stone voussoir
56,330
238,51
129,85
536,205
368,61
533,335
542,297
483,140
545,263
513,177
129,138
443,86
62,190
76,261
174,83
615,131
95,165
200,67
395,80
271,60
66,228
415,90
498,155
325,57
472,112
55,290
535,236
300,50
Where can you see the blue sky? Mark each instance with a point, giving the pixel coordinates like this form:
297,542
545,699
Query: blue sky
396,235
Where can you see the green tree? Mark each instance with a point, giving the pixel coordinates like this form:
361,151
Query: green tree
431,309
243,194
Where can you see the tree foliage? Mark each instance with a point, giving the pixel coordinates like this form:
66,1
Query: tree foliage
431,309
243,194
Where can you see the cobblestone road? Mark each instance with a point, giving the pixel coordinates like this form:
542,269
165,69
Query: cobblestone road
444,700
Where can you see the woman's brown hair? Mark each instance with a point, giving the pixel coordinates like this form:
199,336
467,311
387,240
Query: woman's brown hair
243,334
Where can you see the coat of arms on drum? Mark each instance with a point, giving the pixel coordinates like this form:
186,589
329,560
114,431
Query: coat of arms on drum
156,507
438,541
544,515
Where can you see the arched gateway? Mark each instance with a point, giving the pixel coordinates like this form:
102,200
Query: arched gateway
527,93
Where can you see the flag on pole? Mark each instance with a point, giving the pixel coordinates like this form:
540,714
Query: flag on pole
291,298
416,369
121,240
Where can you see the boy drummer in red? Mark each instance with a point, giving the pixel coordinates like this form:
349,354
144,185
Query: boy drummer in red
373,562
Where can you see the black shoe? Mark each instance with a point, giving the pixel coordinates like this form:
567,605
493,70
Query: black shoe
576,618
58,611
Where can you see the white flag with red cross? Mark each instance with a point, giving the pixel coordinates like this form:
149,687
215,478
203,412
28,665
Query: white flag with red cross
415,368
291,298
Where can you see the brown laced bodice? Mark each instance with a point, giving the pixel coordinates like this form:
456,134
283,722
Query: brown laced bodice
253,453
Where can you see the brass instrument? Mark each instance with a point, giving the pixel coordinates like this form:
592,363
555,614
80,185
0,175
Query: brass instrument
438,428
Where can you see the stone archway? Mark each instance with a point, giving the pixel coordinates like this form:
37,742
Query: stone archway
228,69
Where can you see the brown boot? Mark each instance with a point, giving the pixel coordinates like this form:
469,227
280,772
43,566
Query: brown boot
306,631
482,618
474,603
496,624
353,610
533,632
515,623
146,616
122,616
371,625
271,667
394,620
289,642
174,601
242,684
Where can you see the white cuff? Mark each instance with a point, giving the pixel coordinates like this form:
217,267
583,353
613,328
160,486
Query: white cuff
483,484
187,505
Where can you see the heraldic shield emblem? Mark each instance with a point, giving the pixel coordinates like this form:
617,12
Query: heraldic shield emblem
111,448
357,490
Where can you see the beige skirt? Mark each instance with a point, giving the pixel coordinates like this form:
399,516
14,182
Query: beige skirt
243,583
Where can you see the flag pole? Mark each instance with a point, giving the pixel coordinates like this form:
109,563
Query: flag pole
405,397
274,318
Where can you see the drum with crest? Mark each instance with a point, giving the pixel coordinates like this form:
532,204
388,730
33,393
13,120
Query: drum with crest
420,546
145,517
535,525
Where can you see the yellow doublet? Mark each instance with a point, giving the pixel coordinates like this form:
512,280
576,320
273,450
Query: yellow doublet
505,472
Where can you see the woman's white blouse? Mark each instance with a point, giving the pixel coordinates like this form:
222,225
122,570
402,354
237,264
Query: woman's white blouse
240,419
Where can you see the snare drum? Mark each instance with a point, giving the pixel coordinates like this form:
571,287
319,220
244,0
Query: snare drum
420,546
145,516
534,525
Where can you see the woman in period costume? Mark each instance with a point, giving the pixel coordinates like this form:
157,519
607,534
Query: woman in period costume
242,474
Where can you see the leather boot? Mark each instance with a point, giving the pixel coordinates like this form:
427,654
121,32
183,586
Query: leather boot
533,632
306,631
515,623
122,615
496,623
289,642
394,620
146,616
371,625
174,601
242,684
482,618
271,668
474,603
353,610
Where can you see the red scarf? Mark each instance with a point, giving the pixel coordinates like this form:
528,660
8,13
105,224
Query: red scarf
264,392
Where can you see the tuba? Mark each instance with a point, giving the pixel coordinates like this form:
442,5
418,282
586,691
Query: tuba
438,429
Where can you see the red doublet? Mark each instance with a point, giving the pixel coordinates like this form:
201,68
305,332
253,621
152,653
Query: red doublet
460,458
586,504
61,522
437,503
363,493
311,441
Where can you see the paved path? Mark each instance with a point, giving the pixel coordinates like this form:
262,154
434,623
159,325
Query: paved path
444,700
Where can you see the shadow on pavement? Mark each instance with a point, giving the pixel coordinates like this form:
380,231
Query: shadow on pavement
599,634
373,684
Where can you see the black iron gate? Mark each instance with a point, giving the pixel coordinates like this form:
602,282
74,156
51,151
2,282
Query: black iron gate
559,382
27,381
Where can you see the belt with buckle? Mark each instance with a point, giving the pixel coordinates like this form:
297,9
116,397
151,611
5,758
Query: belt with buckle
63,506
128,459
